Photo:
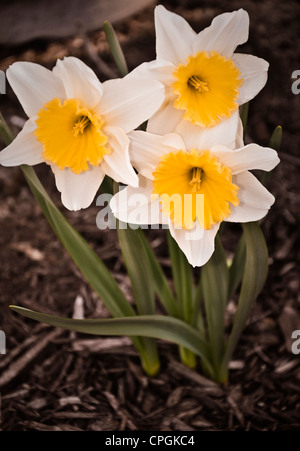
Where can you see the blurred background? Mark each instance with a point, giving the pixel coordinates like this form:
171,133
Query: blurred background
37,273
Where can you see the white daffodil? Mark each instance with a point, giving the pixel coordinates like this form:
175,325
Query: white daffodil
192,184
205,81
78,125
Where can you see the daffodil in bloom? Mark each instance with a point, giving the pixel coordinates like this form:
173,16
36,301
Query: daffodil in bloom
205,80
191,183
78,125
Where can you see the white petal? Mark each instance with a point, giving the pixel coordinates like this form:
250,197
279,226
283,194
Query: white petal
155,70
34,85
165,120
158,70
205,138
25,149
255,199
197,244
135,205
146,149
254,72
77,190
174,36
79,81
130,101
117,164
239,135
248,157
225,33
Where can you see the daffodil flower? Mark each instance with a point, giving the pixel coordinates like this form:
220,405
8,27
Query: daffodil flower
78,125
191,183
205,81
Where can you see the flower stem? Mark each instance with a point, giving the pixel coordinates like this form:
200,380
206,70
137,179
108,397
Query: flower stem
149,356
187,357
183,279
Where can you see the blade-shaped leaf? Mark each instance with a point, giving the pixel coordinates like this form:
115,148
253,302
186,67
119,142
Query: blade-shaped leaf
184,286
159,279
115,48
237,267
244,112
183,280
214,280
85,258
5,132
155,326
255,274
276,138
275,143
138,268
140,275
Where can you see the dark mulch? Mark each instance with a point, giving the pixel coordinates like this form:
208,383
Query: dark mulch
53,380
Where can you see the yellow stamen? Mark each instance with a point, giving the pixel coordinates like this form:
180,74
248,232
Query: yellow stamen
199,85
80,125
71,135
206,88
194,186
196,179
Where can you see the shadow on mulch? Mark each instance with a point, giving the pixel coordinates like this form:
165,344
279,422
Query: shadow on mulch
53,380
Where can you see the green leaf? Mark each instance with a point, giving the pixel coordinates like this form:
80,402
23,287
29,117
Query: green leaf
184,286
107,185
115,48
85,258
236,269
215,280
254,277
155,326
275,143
276,138
159,279
138,269
244,111
5,132
198,320
140,275
183,280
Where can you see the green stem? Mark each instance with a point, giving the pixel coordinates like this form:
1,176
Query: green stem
183,279
187,357
140,275
254,277
215,280
115,48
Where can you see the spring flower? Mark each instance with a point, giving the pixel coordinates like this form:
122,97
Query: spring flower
205,81
78,125
191,183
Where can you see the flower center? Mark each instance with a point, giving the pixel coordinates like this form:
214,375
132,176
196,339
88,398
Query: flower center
196,83
206,88
80,125
71,135
196,179
194,186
